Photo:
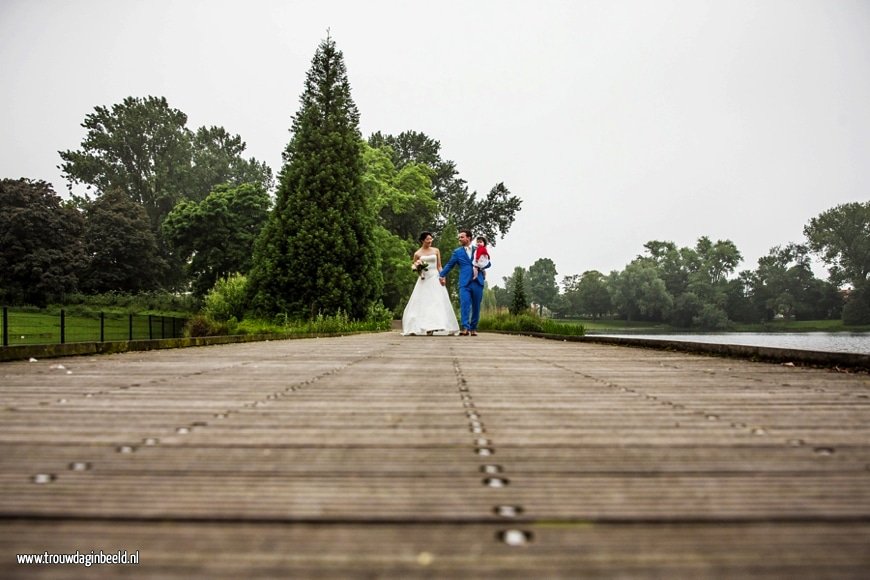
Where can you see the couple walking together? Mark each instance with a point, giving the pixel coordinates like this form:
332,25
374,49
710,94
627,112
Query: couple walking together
429,310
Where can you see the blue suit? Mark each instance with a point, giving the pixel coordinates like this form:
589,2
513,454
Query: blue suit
470,289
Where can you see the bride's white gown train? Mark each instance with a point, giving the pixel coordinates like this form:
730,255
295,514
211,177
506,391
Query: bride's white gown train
429,310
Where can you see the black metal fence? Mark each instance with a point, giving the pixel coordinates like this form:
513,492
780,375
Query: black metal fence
28,326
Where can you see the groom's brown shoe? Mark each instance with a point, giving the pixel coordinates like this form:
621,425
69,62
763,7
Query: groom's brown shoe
473,333
463,333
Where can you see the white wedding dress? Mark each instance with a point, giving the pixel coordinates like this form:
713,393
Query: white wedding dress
429,310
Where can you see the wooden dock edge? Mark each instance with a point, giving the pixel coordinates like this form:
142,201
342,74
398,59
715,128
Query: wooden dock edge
798,357
41,351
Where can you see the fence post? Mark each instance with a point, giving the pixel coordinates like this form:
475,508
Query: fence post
150,331
102,327
5,326
62,326
131,326
162,327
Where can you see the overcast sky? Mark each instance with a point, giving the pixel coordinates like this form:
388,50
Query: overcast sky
616,122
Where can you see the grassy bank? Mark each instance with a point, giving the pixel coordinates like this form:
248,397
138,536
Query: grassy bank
529,323
82,325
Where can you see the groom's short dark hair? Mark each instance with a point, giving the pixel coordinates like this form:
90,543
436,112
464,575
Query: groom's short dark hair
467,233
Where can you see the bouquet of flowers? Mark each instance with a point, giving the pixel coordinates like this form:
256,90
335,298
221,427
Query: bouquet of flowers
420,267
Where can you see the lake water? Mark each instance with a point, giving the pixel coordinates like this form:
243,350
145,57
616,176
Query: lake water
820,341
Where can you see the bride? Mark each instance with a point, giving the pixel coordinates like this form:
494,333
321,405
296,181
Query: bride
429,310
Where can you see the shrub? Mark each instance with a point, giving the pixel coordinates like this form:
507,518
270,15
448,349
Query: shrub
228,299
857,309
528,322
201,325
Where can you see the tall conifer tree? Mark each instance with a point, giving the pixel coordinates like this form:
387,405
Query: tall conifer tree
317,253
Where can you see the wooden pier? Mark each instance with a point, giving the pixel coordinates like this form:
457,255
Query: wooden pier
380,456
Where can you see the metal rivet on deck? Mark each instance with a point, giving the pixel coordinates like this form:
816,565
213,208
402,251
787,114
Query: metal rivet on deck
515,537
495,481
424,558
125,449
759,431
507,511
484,451
151,441
796,442
62,401
712,417
199,424
468,404
473,416
44,478
482,441
79,466
182,430
824,451
491,468
220,416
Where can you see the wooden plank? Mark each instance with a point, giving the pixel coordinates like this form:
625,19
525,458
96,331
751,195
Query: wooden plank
250,550
342,457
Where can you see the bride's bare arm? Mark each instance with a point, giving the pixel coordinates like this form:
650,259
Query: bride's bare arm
438,258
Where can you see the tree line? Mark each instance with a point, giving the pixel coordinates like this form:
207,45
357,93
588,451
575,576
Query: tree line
695,287
168,208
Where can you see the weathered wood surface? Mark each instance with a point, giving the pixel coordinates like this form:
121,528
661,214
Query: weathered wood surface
383,456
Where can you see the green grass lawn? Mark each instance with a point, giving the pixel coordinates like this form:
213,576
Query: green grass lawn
617,325
44,328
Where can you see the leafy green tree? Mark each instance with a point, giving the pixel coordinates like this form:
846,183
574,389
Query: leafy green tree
695,278
490,216
41,247
216,236
140,147
317,253
594,295
122,253
144,148
488,304
674,264
841,236
501,296
542,288
411,147
217,160
571,306
519,300
402,200
857,309
717,260
784,284
740,304
638,292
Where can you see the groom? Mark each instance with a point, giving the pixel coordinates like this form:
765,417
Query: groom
470,288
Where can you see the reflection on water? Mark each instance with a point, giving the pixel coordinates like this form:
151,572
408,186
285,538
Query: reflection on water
821,341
